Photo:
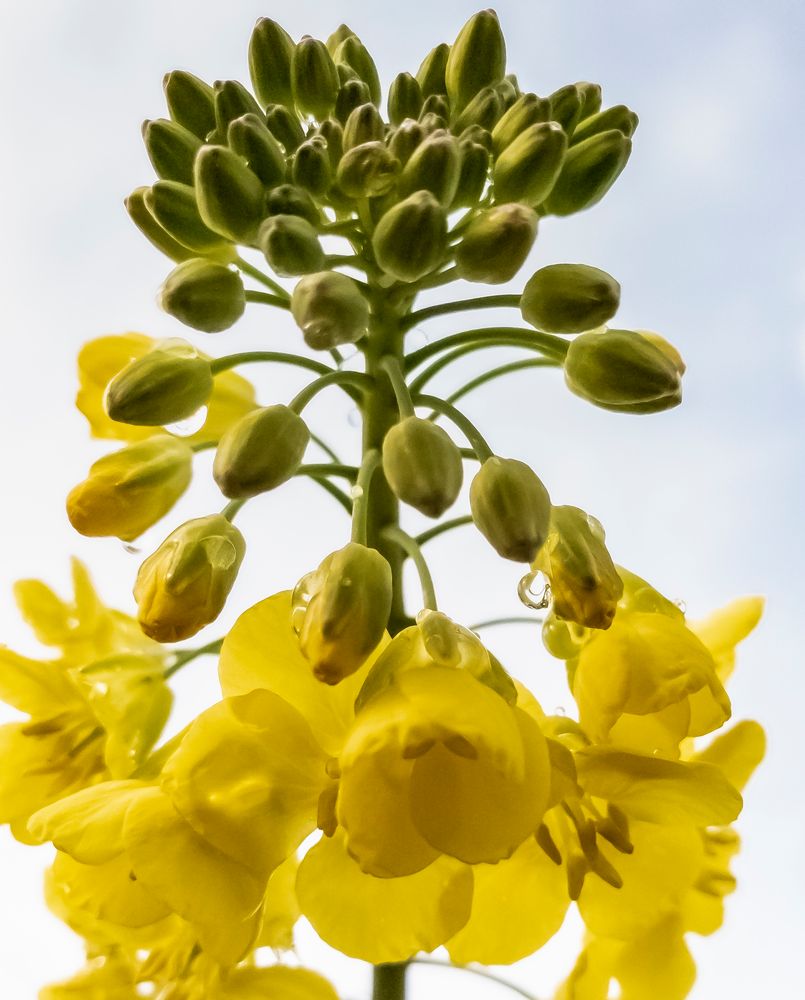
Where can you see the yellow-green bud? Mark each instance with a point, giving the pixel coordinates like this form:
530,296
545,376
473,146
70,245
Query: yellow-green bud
363,125
474,174
287,199
183,586
284,126
204,295
436,106
585,586
477,58
431,122
125,493
367,171
249,137
232,100
151,229
190,102
526,111
411,238
329,309
590,98
511,508
566,104
354,53
528,168
431,74
496,243
667,349
435,166
348,600
270,54
341,33
622,370
347,73
315,78
230,197
405,98
174,207
351,95
484,109
589,171
423,465
333,134
508,89
618,117
478,135
167,384
171,149
569,298
260,451
311,166
405,139
291,245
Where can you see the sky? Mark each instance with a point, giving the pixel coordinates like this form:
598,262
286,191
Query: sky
704,231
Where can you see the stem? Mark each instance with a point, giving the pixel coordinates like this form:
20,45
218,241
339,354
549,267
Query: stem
494,336
410,547
266,298
464,424
484,377
475,972
335,492
187,655
319,469
356,380
440,529
440,278
391,366
345,260
232,508
389,982
203,446
258,275
444,308
250,357
512,620
360,507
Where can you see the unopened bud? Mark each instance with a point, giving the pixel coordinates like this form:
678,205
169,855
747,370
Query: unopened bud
484,109
311,166
260,452
204,295
431,122
230,197
363,125
333,134
288,199
405,98
474,174
667,349
315,78
351,95
341,33
435,166
232,100
354,53
411,238
526,111
270,54
291,245
618,117
422,465
367,171
508,89
529,167
436,106
589,171
183,586
569,298
478,135
167,384
345,74
284,126
477,58
190,102
151,229
405,139
623,371
590,98
171,149
174,207
250,137
431,74
329,309
566,105
496,243
511,508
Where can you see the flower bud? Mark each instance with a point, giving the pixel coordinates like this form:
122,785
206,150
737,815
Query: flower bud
566,104
352,94
589,171
585,586
190,102
618,117
569,298
315,78
174,207
204,295
367,171
511,508
348,600
354,53
480,136
667,349
171,149
405,139
183,586
333,134
422,465
405,98
230,197
435,166
526,111
284,126
167,384
529,167
473,176
436,106
345,74
260,452
363,125
311,166
151,229
232,100
291,245
287,199
431,74
250,137
496,243
342,32
411,238
131,489
484,109
477,58
590,98
329,309
622,370
270,54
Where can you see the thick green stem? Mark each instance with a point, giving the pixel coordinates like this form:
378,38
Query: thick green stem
389,982
494,336
250,357
267,299
462,305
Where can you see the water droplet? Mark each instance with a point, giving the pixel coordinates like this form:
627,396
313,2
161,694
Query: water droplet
560,710
300,598
682,606
416,338
131,549
534,591
356,492
347,354
189,426
354,417
101,688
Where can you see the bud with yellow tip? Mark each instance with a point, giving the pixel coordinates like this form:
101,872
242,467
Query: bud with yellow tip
477,58
617,117
528,168
260,452
230,197
411,239
569,298
329,309
422,465
204,295
511,508
496,243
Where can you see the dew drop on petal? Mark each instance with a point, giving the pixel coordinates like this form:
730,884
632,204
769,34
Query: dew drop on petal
534,591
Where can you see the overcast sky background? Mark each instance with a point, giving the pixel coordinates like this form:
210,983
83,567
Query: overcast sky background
704,231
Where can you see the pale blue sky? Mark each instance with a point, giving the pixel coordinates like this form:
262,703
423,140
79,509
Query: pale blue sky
705,233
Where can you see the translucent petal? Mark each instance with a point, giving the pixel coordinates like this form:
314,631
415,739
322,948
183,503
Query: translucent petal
34,686
277,982
722,630
656,965
737,752
280,907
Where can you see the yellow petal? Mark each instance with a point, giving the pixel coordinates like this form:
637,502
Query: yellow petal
517,905
34,686
99,360
737,752
725,628
381,920
591,975
102,979
657,965
280,907
277,982
232,398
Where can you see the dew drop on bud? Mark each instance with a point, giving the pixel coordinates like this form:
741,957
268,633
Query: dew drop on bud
534,591
190,425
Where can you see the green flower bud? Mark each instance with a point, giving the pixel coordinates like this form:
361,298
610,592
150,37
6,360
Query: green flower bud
477,58
566,104
333,134
260,451
623,371
287,199
183,586
496,243
363,125
508,90
230,196
431,74
341,33
527,110
329,309
405,139
311,166
484,109
174,207
511,508
270,54
315,78
618,117
422,465
167,384
590,98
667,349
589,171
411,239
190,102
284,126
151,229
354,53
345,74
232,100
352,94
478,135
528,168
432,122
171,149
405,98
204,295
585,586
367,171
250,138
435,166
291,245
438,105
343,609
473,176
569,298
